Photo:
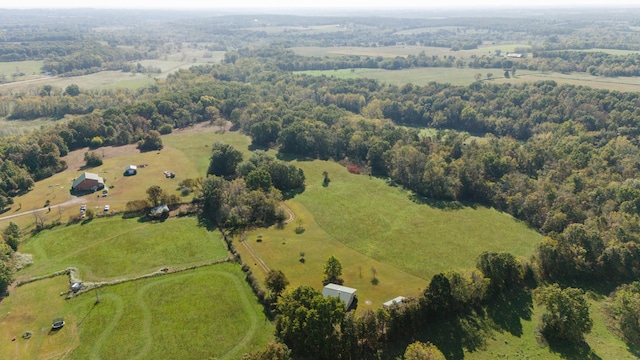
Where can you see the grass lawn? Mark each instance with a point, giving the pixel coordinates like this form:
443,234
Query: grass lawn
204,313
30,68
196,146
366,223
602,343
112,247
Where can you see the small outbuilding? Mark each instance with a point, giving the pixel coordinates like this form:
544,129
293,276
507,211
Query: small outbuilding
76,286
159,211
87,182
131,170
346,294
396,300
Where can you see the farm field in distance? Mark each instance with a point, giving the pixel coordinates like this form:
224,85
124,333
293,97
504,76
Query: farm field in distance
466,76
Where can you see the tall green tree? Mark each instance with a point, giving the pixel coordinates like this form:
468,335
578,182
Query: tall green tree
224,160
276,282
502,269
307,323
423,351
333,271
567,317
155,194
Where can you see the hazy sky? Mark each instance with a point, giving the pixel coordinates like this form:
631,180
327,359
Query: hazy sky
369,4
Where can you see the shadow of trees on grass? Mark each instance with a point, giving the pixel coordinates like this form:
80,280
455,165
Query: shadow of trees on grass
508,310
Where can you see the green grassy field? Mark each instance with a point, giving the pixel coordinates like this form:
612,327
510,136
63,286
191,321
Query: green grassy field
112,247
417,76
170,63
204,313
466,76
196,146
610,51
404,50
368,224
29,68
602,343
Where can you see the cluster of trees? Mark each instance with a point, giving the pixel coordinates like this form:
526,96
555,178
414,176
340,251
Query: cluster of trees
241,194
314,327
623,306
9,244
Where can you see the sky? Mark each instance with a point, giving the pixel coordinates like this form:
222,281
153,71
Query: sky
325,4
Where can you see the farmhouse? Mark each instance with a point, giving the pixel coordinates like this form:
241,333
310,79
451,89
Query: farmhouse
346,294
515,55
396,300
87,182
131,170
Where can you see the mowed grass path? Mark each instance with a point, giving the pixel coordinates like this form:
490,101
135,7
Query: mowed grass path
203,313
117,248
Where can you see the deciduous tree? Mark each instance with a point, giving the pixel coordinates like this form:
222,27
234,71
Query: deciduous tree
333,271
567,317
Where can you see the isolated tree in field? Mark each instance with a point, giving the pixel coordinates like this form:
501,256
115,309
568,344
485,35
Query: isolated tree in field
489,76
513,71
325,180
92,159
276,282
224,159
72,90
423,351
333,271
567,317
155,194
151,141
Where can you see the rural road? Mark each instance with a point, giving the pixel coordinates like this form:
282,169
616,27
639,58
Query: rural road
27,81
64,204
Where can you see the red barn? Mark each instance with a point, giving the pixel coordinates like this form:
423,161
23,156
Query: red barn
88,182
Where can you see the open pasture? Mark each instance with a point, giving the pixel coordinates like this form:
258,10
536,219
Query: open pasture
384,51
196,314
109,248
521,342
405,50
368,224
170,63
31,69
609,51
466,76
